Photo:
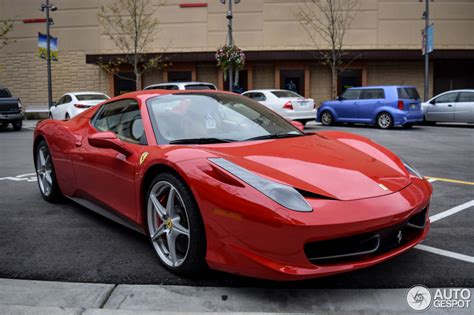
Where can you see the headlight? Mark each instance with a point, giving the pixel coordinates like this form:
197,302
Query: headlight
413,171
284,195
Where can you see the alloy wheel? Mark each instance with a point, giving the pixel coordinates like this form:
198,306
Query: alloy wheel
326,118
44,170
384,121
168,224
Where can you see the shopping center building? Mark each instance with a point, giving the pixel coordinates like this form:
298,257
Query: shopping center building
383,42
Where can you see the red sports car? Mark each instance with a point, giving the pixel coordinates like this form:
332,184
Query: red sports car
216,179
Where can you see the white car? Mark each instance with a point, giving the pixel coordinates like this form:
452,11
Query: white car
71,104
182,86
451,106
288,104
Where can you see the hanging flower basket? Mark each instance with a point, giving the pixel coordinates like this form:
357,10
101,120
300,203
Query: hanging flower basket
230,56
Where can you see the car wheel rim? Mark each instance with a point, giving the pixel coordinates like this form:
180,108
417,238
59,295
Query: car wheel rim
168,224
384,121
326,118
44,170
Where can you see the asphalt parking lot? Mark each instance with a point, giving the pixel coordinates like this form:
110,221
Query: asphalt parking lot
65,242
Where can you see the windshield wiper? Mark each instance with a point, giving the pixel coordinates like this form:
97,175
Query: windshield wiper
276,136
200,141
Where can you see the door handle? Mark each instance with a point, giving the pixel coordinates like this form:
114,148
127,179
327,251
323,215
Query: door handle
450,105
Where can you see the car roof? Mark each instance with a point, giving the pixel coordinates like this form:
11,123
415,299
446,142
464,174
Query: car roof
146,94
266,90
85,92
381,87
461,90
176,83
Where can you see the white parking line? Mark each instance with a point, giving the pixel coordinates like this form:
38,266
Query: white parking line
31,177
446,253
451,211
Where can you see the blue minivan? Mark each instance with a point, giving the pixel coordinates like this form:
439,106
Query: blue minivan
383,106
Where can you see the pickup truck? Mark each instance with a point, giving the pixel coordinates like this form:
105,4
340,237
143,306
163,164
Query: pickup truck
10,110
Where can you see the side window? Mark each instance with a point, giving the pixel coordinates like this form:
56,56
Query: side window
259,97
173,87
351,95
67,99
370,94
466,97
122,118
61,100
249,95
447,98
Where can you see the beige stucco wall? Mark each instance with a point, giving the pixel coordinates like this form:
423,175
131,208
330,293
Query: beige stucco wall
258,25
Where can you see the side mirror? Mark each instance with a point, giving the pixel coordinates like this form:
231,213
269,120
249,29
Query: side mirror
109,140
54,103
339,98
297,124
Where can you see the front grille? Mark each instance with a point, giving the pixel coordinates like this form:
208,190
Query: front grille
374,243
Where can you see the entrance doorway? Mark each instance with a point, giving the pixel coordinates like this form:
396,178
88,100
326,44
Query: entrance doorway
349,78
242,85
292,80
180,76
124,82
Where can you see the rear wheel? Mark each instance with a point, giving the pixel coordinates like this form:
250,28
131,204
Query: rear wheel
67,117
327,119
304,121
384,121
175,225
47,181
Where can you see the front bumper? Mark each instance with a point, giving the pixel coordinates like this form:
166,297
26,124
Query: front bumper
253,236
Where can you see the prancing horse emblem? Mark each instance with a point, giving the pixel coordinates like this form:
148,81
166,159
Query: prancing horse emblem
143,157
399,236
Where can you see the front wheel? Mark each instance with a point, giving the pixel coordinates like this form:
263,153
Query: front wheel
175,225
17,125
326,118
47,181
384,121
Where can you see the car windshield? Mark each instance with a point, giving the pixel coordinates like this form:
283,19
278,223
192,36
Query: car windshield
92,97
198,118
408,93
285,94
199,87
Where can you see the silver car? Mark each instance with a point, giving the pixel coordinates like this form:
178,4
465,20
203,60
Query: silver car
451,106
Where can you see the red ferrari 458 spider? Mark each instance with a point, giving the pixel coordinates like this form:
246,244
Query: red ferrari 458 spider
218,180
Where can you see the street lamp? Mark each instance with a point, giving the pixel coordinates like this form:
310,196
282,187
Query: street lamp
230,39
48,7
426,17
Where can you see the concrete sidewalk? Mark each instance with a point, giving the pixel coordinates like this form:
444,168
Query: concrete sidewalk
45,297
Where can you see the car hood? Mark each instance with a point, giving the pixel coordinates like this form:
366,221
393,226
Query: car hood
333,164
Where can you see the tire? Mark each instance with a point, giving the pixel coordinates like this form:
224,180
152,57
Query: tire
50,116
47,181
67,117
17,125
304,121
327,118
407,125
384,120
182,225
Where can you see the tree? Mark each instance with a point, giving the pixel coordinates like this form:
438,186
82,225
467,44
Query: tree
5,28
326,22
132,25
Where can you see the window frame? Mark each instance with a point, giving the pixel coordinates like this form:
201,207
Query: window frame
364,92
464,92
94,119
351,90
446,94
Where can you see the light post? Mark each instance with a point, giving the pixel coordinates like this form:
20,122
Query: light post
47,7
426,17
230,39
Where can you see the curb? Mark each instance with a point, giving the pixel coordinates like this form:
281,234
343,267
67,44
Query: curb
47,297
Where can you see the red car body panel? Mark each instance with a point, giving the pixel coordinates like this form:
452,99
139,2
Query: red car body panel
354,186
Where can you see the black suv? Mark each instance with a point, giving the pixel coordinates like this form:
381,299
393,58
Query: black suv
10,110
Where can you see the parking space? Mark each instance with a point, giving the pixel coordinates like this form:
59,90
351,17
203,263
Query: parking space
67,242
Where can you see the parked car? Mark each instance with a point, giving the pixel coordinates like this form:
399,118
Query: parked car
10,110
217,180
71,104
288,104
384,106
182,86
451,106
